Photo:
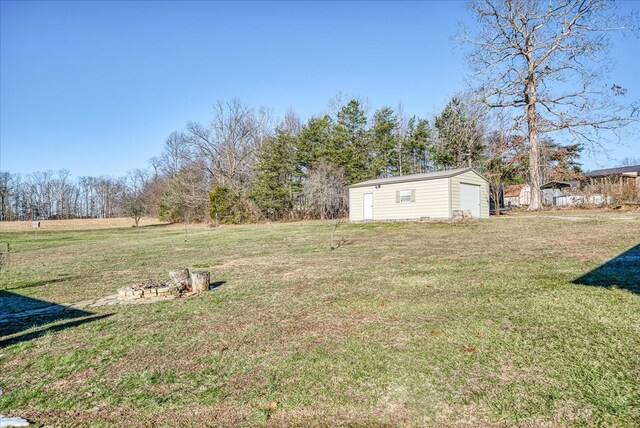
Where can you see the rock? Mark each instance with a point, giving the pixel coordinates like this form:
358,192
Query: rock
200,281
150,292
164,290
180,276
130,293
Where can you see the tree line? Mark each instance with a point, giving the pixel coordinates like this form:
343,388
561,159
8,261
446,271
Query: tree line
49,194
241,166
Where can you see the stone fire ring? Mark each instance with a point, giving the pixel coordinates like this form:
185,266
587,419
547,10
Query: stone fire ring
150,290
182,282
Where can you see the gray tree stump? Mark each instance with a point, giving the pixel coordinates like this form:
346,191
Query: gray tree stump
182,277
200,281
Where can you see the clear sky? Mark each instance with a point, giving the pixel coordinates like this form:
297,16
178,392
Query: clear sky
96,87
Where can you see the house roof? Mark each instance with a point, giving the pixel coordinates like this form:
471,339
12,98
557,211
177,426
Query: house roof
558,184
513,191
615,171
415,177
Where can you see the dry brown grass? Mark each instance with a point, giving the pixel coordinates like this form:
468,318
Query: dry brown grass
76,224
584,212
410,324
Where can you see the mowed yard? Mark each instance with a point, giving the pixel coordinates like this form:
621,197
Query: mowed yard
405,324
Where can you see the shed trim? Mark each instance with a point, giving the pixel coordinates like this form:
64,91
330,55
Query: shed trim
416,177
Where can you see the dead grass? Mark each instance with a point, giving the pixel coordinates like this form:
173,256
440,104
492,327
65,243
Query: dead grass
411,324
76,224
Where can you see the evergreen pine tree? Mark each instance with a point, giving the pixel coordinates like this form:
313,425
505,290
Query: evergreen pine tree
418,140
314,143
277,176
460,143
350,147
386,158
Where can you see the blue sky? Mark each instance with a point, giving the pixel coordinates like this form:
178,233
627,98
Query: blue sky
96,87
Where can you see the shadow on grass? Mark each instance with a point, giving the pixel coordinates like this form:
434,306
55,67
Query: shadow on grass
623,271
41,283
216,284
19,313
51,329
153,226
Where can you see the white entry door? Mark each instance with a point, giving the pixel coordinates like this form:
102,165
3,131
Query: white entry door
368,206
470,198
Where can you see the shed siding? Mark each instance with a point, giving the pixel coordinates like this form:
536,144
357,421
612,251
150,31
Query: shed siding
470,177
431,200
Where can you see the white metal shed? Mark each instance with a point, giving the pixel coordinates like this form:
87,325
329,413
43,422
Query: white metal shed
435,195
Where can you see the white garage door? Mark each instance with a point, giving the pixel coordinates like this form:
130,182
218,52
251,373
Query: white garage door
470,198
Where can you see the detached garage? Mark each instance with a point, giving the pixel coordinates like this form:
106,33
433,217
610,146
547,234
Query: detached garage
435,195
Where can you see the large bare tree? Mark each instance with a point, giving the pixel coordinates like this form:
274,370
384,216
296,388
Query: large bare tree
186,195
229,144
549,59
176,154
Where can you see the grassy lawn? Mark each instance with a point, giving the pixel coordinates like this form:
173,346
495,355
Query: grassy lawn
405,324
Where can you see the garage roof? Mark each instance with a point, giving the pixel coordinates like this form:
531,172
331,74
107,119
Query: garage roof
615,171
415,177
513,191
560,184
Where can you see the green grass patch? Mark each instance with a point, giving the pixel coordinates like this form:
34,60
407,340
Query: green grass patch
410,324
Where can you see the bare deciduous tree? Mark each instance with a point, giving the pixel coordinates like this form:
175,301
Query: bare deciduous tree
325,190
230,142
134,201
176,154
292,123
499,163
630,161
549,59
187,193
6,190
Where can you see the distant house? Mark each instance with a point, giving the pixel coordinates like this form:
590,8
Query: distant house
436,195
570,193
623,175
553,190
622,183
621,171
553,193
517,195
